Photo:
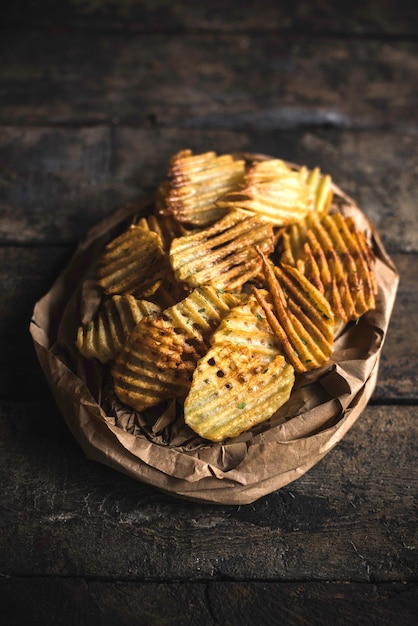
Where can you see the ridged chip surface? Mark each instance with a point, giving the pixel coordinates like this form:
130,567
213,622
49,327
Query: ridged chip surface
233,390
280,194
224,254
195,182
158,359
334,254
132,263
104,337
300,317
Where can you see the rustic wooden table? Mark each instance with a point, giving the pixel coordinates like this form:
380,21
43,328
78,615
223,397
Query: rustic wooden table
95,98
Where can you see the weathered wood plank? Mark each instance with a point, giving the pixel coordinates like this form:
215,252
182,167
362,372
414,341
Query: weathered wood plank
390,17
57,183
351,517
269,81
97,603
26,274
315,604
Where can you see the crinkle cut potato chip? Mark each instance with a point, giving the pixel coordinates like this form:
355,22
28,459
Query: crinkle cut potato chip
165,226
133,263
300,317
279,194
156,364
197,315
246,325
233,390
335,256
194,183
224,254
159,357
104,337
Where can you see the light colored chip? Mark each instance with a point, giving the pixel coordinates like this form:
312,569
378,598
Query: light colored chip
281,194
301,317
195,182
233,390
246,325
104,337
197,315
222,255
320,186
159,357
133,263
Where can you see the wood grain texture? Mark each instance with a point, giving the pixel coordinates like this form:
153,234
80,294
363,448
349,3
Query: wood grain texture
56,183
269,81
351,517
385,17
120,603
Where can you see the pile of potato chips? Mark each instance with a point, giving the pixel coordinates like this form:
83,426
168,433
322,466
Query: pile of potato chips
229,290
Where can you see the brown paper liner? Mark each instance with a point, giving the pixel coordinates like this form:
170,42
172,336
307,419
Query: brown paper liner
165,453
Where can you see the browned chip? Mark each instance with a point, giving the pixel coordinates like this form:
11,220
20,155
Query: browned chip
165,226
301,317
132,263
334,254
157,361
195,182
155,364
104,337
224,254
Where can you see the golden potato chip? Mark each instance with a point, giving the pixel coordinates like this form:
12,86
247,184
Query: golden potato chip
133,263
157,360
222,255
170,290
104,337
233,390
165,226
194,184
279,193
301,317
320,186
155,364
246,325
200,312
334,254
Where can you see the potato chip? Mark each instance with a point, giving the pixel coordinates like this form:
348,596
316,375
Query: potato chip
170,290
246,325
222,255
161,353
280,194
320,186
194,184
200,312
104,337
233,390
165,226
156,364
133,263
301,317
334,254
